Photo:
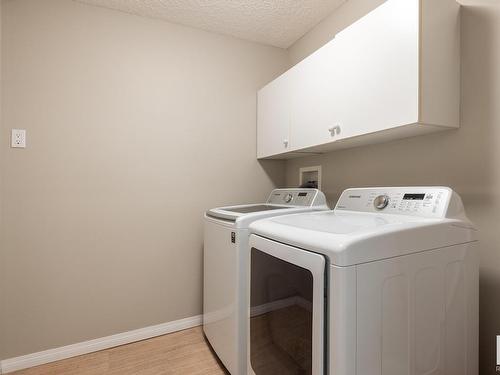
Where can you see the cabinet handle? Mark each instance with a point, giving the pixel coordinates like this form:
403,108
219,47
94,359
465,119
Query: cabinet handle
334,130
285,143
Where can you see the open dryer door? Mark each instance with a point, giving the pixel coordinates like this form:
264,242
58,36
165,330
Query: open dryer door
287,309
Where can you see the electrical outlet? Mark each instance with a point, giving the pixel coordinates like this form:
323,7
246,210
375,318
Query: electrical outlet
18,139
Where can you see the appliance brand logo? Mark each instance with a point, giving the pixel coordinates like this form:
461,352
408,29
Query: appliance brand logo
355,196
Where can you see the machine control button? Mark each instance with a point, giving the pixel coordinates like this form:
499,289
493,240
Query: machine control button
381,202
288,198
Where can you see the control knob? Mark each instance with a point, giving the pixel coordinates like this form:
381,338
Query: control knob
381,202
288,198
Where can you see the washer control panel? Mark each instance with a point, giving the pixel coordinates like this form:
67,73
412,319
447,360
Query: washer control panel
415,201
293,197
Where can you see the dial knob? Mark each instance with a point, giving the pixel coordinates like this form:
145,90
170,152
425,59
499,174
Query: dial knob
288,198
381,202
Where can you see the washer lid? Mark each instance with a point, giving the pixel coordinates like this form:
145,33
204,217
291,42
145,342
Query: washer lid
349,238
233,212
280,202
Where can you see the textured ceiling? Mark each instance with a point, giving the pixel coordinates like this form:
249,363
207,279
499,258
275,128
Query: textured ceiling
275,22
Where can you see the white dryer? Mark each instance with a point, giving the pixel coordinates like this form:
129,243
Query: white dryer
385,284
226,264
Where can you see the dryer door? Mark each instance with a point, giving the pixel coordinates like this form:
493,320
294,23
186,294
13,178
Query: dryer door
287,309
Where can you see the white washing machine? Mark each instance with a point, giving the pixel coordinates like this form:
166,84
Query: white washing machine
225,291
385,284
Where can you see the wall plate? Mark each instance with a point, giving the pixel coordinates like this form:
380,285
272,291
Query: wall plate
18,138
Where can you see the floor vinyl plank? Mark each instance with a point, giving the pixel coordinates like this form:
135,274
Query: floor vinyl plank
180,353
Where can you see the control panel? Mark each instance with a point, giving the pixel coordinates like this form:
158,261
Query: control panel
414,201
293,197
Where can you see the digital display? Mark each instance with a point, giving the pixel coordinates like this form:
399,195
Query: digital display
414,197
302,194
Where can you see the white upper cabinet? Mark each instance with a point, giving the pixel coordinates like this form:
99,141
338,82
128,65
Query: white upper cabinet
273,117
392,74
378,58
317,98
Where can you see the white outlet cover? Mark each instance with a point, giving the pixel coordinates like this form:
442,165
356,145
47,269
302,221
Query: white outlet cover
18,138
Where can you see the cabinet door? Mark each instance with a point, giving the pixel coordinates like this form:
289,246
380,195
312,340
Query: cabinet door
377,59
273,117
315,98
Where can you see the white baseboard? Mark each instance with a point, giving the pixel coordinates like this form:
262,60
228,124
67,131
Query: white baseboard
57,354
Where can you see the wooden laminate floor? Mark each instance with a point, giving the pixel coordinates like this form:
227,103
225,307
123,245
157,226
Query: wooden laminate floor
182,353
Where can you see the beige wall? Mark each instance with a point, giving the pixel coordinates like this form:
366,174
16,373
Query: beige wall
468,160
135,127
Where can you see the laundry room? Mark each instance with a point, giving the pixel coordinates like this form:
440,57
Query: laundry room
250,187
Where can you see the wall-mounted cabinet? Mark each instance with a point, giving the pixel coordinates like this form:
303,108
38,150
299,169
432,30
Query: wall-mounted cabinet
273,117
392,74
